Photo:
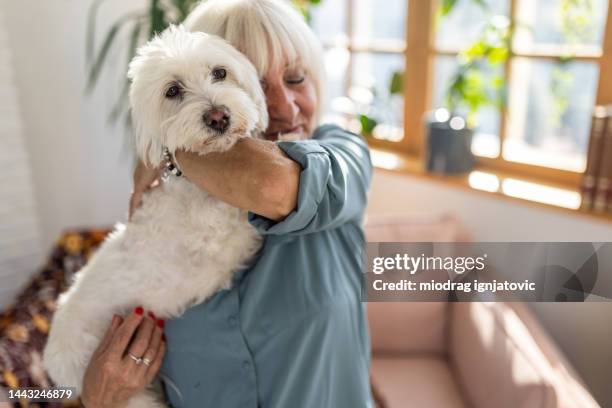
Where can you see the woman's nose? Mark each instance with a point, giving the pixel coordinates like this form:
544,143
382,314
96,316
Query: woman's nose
282,104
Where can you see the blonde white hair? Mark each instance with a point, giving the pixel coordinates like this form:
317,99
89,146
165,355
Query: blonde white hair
267,32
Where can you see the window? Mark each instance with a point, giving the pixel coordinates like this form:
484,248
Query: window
364,53
559,66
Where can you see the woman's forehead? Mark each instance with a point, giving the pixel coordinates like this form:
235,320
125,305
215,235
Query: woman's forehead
282,65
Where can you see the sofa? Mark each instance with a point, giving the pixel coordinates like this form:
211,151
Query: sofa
455,355
434,354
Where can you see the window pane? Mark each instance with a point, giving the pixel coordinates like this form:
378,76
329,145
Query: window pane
559,22
550,112
336,67
464,23
370,90
486,137
373,20
328,20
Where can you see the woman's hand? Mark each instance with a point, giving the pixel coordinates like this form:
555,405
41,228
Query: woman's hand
145,178
112,376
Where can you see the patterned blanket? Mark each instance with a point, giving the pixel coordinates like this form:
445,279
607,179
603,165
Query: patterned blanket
25,325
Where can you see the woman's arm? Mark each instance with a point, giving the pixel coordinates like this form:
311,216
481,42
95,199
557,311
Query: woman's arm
254,175
333,183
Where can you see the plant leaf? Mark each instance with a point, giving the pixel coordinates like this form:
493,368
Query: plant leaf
183,7
121,104
90,39
498,55
367,124
96,68
447,6
156,17
396,86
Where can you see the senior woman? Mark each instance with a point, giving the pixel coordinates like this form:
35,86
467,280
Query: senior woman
292,331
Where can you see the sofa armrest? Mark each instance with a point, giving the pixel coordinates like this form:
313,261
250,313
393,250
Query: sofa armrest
503,358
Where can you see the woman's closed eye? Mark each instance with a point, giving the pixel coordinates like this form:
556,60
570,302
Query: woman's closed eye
295,81
295,78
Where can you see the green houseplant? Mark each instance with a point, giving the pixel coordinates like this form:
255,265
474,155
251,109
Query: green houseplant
478,82
472,87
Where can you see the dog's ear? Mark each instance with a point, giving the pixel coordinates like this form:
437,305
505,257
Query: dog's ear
249,80
260,100
148,146
143,96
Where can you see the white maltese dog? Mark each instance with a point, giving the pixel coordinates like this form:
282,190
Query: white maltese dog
189,91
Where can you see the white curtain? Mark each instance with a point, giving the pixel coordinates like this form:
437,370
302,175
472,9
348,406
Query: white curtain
19,228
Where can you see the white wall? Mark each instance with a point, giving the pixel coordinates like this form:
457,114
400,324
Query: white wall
582,330
489,218
81,177
19,227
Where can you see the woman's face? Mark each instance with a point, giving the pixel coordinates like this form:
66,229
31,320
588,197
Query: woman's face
292,101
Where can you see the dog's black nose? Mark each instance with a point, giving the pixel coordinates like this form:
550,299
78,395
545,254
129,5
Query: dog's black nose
217,119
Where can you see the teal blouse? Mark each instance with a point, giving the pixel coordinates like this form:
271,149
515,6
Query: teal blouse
292,330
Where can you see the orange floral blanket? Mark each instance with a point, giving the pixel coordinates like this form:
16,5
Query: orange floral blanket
25,325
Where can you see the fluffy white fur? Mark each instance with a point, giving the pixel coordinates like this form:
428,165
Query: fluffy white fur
183,244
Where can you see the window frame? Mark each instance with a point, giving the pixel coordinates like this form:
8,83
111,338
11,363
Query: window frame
419,45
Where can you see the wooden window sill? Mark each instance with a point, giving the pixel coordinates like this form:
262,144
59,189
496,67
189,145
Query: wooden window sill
527,190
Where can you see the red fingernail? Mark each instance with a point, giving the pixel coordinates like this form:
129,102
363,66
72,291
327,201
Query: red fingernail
163,337
160,323
139,310
151,315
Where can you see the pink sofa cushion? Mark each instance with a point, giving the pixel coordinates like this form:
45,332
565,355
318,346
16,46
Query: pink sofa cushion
410,327
407,327
423,382
515,362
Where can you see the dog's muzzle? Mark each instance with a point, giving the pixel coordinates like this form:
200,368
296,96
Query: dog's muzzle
217,118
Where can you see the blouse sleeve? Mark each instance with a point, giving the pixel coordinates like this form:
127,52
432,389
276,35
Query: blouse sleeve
334,182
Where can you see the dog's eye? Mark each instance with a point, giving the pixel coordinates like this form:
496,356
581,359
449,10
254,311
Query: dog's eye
219,74
173,91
